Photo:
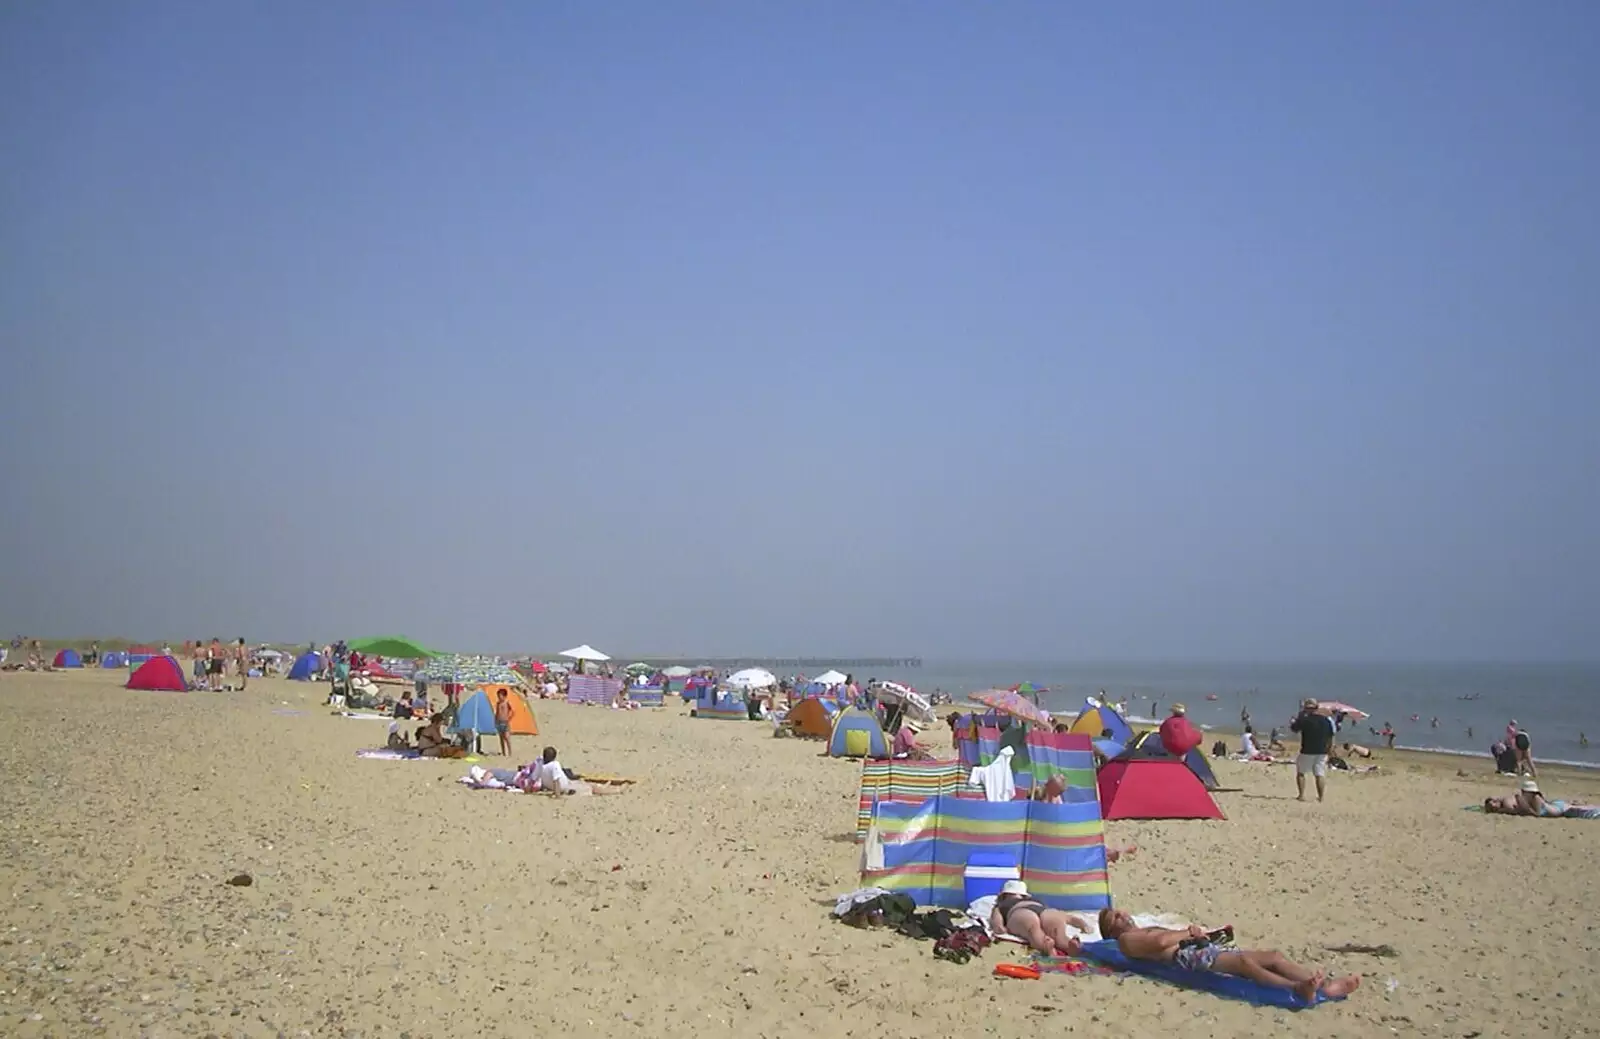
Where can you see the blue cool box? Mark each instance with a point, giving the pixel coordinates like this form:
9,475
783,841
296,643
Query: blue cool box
987,872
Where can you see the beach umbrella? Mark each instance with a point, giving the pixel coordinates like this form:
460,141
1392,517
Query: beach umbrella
678,671
584,652
752,678
639,667
554,665
830,677
396,646
1010,701
1339,707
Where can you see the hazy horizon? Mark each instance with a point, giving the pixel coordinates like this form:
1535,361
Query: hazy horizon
1047,332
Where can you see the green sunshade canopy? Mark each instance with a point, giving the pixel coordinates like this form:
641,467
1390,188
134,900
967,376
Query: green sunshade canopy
391,646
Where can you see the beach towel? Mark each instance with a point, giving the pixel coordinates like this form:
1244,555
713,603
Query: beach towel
385,754
365,716
995,778
606,780
1106,954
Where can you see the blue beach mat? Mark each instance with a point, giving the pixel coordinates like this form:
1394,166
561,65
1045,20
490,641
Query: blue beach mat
1225,985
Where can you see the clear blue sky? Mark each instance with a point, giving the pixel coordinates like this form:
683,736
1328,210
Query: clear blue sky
1041,330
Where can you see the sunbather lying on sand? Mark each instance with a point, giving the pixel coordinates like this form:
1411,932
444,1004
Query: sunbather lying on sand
1044,929
546,776
1530,801
1191,949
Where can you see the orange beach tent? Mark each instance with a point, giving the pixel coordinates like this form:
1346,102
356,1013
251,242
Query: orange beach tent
810,718
522,720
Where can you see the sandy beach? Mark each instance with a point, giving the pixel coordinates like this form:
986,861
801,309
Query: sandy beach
389,901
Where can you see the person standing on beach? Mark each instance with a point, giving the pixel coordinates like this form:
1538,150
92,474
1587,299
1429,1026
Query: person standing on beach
241,658
502,722
1524,745
197,660
1316,740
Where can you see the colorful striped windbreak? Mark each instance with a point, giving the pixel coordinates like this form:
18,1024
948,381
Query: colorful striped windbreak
911,782
925,847
592,689
1038,757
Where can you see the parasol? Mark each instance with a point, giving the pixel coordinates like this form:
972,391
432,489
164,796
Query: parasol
397,646
1339,707
831,677
1013,703
584,652
752,678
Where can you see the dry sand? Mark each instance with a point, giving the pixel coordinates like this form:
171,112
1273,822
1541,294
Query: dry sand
390,901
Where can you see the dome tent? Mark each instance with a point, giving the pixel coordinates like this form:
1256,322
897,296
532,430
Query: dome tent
857,734
163,674
305,665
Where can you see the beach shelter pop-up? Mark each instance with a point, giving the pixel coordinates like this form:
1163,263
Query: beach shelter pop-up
67,658
162,674
1153,788
523,722
857,734
305,666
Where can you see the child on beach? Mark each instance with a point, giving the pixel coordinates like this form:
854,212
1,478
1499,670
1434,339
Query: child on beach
502,722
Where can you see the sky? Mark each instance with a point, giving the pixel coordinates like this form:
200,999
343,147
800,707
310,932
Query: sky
1033,330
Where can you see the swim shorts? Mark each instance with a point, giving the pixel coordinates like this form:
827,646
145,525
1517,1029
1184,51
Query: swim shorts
1197,957
1311,764
502,727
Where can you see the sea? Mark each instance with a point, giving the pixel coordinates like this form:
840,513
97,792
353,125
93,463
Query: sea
1448,708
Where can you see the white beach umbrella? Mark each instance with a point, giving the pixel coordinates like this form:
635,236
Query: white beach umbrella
831,677
752,678
584,652
677,671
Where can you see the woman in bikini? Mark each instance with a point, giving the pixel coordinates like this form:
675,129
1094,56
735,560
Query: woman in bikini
1530,801
1021,915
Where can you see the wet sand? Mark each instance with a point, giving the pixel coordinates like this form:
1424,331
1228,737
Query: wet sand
387,900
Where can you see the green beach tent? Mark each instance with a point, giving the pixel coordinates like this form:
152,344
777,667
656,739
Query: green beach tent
395,646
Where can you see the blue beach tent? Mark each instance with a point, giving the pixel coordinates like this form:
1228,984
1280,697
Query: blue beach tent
476,714
305,665
114,659
857,734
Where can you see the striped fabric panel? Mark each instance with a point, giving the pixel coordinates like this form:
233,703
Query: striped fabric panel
592,689
905,781
1065,859
646,695
1067,754
1060,848
725,712
874,778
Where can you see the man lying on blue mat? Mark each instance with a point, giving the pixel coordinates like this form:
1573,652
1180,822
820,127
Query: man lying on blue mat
1198,950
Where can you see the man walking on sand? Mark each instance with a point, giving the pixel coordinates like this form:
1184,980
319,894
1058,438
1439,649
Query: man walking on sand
241,659
1316,740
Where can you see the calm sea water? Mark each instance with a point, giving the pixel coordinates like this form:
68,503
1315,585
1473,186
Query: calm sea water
1554,702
